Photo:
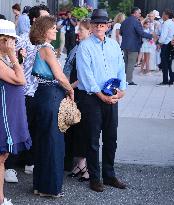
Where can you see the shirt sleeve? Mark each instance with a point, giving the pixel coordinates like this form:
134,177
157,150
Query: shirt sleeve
117,26
140,31
84,73
63,23
164,34
21,43
121,70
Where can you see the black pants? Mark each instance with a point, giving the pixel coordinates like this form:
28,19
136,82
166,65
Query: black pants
70,41
75,140
99,116
29,103
166,64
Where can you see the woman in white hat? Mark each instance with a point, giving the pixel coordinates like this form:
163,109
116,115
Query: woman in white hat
14,135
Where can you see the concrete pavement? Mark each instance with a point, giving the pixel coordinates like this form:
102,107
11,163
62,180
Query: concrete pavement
146,123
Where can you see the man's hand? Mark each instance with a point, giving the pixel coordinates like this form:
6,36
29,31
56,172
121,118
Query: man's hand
120,94
111,99
158,47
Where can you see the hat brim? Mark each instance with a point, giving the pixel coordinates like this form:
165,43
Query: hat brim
99,21
11,35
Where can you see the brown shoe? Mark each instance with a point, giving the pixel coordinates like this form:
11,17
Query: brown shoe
96,186
114,182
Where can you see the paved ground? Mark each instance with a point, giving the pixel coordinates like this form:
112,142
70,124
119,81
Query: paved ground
148,100
147,185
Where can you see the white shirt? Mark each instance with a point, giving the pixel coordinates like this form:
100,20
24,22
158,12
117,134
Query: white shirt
113,35
62,30
167,32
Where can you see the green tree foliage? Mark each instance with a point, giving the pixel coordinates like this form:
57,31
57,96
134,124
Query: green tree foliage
80,12
115,6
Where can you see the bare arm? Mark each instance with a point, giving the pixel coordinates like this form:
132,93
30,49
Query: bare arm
59,26
74,23
117,33
16,75
48,55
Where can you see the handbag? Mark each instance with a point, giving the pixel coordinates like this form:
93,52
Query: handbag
41,69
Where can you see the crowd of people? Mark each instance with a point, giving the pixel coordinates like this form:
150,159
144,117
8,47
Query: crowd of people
101,56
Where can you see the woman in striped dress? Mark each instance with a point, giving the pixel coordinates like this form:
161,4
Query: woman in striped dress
14,135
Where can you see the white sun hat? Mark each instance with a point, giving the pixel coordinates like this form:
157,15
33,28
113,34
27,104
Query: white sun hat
156,13
8,28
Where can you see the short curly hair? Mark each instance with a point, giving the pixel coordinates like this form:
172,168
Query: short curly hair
39,29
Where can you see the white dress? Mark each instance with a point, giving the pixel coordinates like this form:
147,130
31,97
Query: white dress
155,54
147,44
113,35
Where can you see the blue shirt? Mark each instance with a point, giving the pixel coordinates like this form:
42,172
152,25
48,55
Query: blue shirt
97,62
23,25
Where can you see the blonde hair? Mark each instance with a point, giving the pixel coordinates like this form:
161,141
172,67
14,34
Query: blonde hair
145,21
119,18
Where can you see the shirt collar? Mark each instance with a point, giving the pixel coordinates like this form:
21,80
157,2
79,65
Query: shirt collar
97,40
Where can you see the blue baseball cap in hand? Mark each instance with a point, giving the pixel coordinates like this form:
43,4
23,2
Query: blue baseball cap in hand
110,87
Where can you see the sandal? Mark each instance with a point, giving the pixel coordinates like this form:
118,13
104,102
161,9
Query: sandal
80,172
83,178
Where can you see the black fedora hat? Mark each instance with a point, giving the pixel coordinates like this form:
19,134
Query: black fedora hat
99,16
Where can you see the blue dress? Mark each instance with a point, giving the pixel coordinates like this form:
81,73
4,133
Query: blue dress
48,141
14,134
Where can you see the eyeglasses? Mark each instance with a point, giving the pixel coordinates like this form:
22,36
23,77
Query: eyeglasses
100,25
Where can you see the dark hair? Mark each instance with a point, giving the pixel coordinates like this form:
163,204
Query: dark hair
68,12
26,9
16,7
39,29
34,12
169,13
133,10
2,17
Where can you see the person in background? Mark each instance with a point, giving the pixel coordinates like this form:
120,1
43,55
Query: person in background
167,34
62,34
2,17
17,11
14,134
31,86
75,142
70,37
155,53
146,48
132,33
110,27
23,25
99,59
119,18
49,141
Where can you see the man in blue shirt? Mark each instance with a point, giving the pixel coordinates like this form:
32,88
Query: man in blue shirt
23,25
99,59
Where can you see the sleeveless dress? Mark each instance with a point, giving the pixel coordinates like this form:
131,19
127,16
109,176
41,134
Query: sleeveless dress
48,140
14,134
147,44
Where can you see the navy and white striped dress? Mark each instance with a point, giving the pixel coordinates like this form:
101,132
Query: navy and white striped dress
14,134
